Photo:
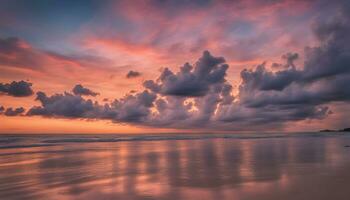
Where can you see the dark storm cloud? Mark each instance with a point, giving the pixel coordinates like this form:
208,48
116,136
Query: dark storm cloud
191,81
324,77
332,57
133,74
16,88
81,90
290,58
131,108
290,94
262,79
63,105
2,109
241,116
14,112
171,110
317,93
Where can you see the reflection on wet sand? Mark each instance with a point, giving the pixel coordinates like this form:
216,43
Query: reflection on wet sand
278,168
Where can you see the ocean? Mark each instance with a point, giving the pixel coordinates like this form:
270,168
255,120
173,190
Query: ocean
176,166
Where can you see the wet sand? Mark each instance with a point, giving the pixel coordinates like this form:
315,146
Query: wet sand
246,168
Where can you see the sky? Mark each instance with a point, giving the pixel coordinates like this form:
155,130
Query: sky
152,66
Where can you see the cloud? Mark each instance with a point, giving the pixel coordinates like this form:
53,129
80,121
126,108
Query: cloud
14,112
81,90
131,108
199,96
323,78
63,105
291,94
191,81
332,57
15,52
2,109
262,79
18,53
16,89
290,58
133,74
273,98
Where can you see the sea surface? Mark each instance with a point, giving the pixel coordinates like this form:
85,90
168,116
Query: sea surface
299,166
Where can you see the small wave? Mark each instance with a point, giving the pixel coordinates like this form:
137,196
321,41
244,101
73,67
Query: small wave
157,138
8,140
48,140
25,146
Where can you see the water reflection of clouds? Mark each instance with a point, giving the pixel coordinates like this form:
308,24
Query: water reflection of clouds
176,169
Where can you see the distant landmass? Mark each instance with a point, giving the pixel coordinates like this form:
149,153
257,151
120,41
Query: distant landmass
340,130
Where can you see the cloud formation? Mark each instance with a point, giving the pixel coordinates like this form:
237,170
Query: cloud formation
16,89
133,74
131,108
14,112
199,95
25,57
18,57
81,90
291,94
191,81
62,105
323,78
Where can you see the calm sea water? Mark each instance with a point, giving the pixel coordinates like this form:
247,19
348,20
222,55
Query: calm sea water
200,167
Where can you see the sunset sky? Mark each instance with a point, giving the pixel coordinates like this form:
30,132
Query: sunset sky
99,66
